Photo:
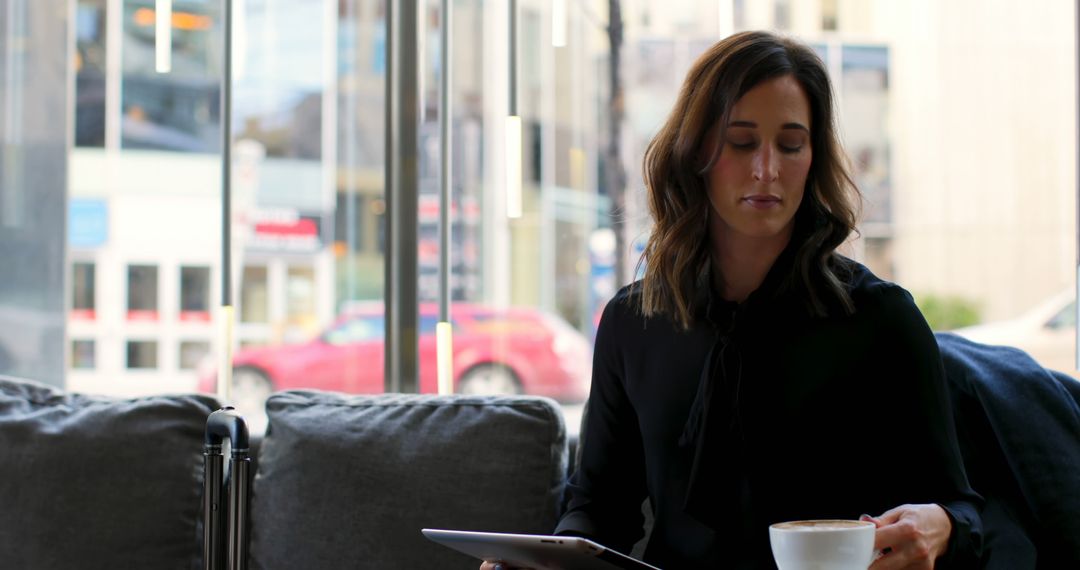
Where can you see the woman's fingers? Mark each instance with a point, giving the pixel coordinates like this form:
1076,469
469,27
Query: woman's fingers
911,536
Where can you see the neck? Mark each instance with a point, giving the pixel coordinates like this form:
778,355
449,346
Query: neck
743,262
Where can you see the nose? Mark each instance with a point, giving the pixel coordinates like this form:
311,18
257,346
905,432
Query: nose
766,167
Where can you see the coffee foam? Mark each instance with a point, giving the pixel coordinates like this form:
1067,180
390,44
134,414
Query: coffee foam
822,525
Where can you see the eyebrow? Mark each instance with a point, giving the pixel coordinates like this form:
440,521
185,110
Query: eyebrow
753,125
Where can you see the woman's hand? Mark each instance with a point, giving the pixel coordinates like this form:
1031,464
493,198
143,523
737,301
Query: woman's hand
910,536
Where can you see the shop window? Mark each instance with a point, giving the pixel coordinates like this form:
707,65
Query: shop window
142,354
83,304
195,294
142,293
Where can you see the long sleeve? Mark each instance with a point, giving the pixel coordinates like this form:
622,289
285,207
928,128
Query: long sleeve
916,368
605,493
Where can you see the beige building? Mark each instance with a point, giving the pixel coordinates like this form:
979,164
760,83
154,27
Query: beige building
981,129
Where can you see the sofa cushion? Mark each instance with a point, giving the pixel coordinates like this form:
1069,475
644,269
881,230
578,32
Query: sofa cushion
95,482
349,481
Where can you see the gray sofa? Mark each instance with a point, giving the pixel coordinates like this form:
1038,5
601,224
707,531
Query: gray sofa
349,481
339,481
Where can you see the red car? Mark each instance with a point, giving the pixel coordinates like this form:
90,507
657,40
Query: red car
516,350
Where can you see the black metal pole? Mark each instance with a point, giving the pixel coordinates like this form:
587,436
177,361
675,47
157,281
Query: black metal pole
226,162
239,488
402,197
513,27
446,149
212,507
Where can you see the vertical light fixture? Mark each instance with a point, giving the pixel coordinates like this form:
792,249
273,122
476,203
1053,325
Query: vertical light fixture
163,36
444,347
513,127
558,23
224,387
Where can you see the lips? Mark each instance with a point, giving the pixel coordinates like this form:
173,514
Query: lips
762,201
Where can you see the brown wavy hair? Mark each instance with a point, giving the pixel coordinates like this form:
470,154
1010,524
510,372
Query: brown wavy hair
676,257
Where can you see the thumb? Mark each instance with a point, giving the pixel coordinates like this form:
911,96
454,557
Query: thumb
892,515
877,522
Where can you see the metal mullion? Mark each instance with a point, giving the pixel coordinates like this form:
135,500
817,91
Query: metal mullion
402,183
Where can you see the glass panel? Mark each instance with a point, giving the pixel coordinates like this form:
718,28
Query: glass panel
300,318
254,300
279,94
83,355
142,354
193,353
195,294
142,293
34,63
179,110
83,305
90,51
309,204
828,15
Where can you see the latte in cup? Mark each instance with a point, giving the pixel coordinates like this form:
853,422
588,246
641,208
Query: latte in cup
823,544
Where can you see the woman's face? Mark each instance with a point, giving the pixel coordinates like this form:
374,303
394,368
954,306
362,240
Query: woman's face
757,182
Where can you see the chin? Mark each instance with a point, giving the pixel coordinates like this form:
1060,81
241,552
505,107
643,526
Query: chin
763,231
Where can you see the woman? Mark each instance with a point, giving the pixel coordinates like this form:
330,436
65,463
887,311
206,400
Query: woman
755,375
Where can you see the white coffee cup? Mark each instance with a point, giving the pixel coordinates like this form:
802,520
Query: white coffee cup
822,544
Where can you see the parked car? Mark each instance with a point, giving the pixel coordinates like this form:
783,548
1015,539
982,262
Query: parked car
518,350
1047,332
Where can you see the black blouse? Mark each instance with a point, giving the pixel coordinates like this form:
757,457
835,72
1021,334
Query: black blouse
762,413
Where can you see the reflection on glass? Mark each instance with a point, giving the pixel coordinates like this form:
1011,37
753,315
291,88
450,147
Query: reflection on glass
179,110
313,203
279,83
89,64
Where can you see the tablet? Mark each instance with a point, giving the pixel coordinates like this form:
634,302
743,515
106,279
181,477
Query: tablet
535,550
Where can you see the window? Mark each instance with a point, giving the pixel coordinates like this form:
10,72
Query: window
310,203
142,292
193,353
195,294
90,50
280,79
828,15
300,297
176,111
254,301
83,301
83,356
782,14
142,354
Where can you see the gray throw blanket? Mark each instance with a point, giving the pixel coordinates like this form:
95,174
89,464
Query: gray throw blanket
1019,430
